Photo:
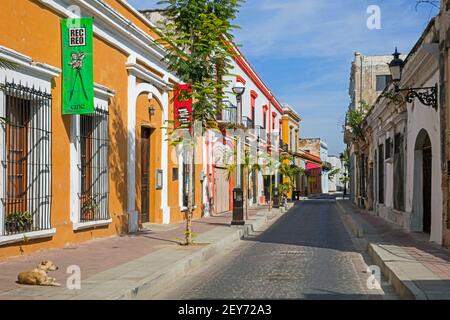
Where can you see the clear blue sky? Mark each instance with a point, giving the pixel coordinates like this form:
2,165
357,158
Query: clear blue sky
303,49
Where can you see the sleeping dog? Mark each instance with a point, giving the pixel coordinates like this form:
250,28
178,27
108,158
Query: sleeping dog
38,276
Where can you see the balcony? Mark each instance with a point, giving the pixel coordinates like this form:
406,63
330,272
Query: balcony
261,133
228,114
247,123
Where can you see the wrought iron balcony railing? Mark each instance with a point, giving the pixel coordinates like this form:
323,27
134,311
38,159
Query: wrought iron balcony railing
228,114
262,133
247,122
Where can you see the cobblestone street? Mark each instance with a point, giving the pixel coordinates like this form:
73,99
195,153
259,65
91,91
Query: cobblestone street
306,254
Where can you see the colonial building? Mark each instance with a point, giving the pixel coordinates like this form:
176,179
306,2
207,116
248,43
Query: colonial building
290,135
334,182
312,150
398,165
261,123
70,178
369,76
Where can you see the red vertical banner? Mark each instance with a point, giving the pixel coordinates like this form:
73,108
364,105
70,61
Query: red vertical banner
183,108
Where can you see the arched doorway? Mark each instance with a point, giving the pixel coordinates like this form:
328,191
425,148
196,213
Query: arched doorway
422,183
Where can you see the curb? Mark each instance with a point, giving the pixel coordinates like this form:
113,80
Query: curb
402,285
153,284
355,228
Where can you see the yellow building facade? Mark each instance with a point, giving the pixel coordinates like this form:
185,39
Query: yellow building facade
137,176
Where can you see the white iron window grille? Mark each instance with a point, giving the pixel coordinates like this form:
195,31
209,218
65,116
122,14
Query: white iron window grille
92,140
26,159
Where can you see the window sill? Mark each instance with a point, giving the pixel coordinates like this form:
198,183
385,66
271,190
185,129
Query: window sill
91,224
27,235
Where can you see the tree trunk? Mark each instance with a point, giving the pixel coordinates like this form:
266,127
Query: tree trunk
191,200
270,193
246,183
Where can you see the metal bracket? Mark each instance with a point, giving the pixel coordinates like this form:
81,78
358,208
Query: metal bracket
427,95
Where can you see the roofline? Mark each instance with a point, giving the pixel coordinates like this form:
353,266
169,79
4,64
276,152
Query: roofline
245,65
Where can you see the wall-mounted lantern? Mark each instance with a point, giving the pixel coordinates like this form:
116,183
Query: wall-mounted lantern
151,111
426,95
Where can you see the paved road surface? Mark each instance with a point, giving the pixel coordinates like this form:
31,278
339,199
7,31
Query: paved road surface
307,254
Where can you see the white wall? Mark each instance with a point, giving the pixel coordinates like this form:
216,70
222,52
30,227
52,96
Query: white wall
323,157
334,184
260,101
424,117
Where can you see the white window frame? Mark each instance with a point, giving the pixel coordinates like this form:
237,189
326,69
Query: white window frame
30,74
101,101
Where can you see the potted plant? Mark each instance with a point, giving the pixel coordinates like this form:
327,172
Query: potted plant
19,222
89,208
283,189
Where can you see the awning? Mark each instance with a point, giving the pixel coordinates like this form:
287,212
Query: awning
310,166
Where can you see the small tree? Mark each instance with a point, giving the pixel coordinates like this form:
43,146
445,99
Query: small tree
197,36
289,169
6,64
269,165
355,120
246,164
332,173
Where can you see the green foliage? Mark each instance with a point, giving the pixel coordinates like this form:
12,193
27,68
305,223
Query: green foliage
332,173
19,222
197,35
289,169
89,207
283,189
344,156
355,120
5,64
393,96
344,179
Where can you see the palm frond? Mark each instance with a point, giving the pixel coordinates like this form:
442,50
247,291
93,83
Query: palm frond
6,64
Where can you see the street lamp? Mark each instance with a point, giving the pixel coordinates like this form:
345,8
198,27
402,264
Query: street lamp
426,95
238,196
239,89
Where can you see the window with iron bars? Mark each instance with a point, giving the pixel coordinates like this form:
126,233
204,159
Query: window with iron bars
93,166
26,159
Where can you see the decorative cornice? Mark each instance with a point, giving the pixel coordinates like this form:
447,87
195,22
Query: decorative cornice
27,62
142,73
103,92
117,31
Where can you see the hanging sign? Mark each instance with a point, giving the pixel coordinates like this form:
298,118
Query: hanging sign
182,109
77,66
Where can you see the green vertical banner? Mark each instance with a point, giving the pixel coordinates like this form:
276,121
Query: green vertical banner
77,66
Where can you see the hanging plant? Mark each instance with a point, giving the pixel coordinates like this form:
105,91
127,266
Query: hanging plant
394,97
355,120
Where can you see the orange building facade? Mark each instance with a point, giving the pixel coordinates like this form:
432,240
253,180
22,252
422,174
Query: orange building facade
66,179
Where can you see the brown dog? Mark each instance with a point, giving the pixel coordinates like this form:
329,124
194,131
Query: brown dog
38,276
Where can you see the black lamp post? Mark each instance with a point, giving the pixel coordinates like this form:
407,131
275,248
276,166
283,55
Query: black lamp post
238,195
426,95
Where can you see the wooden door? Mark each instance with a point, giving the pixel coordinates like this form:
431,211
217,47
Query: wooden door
145,175
426,189
222,192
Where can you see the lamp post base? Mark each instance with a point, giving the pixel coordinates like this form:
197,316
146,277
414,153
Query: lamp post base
238,207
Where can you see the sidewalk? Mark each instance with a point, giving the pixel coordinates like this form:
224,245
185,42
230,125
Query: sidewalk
416,268
130,266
